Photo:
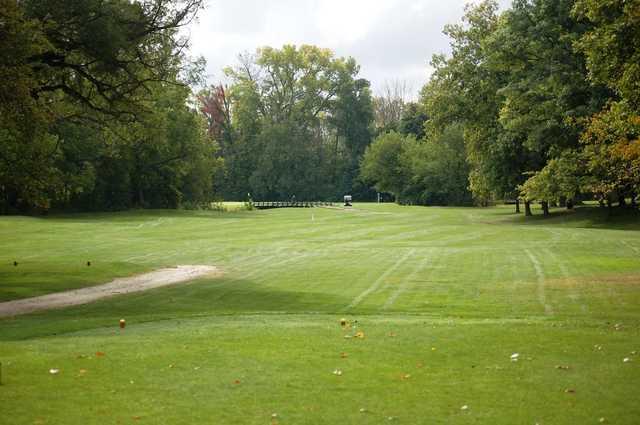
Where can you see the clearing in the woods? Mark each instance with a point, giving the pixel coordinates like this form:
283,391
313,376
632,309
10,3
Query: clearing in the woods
453,315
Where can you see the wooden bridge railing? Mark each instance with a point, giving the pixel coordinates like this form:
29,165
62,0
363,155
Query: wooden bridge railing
264,205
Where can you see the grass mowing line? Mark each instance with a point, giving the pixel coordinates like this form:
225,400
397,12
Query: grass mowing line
466,237
272,265
628,245
515,281
555,235
406,282
138,257
574,294
541,282
376,284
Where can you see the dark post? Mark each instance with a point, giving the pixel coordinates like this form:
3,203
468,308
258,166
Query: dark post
545,207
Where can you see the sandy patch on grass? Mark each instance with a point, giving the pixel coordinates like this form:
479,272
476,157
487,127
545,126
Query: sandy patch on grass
126,285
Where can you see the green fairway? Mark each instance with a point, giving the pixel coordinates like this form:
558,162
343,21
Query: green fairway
444,298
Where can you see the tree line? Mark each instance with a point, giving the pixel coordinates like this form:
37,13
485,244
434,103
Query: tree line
95,107
101,108
537,103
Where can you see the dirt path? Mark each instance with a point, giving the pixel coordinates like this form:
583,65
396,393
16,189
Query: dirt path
126,285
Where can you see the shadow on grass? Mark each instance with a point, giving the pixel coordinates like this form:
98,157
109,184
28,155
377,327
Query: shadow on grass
203,298
141,215
583,217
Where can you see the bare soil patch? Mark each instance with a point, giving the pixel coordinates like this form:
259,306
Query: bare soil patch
126,285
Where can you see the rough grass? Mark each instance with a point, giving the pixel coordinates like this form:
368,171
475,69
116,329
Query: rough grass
444,297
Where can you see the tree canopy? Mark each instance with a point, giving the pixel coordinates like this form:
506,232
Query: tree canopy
295,122
90,90
101,108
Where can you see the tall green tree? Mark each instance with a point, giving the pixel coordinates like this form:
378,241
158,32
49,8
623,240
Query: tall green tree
465,88
439,169
612,137
385,163
77,63
301,120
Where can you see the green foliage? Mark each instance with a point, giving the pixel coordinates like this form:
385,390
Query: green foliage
465,89
612,151
93,108
524,84
439,169
299,123
431,172
612,45
561,178
612,136
384,163
413,120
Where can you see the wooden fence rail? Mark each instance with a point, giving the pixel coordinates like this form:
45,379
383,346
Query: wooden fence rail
266,205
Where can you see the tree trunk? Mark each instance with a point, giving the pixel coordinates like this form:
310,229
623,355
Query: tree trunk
140,198
517,206
621,201
545,208
563,202
569,204
634,204
527,209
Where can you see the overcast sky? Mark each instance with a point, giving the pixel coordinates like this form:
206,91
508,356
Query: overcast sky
390,39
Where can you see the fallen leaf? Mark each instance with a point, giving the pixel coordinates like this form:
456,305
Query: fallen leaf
392,334
237,382
562,367
406,376
626,360
54,371
465,407
337,372
100,354
570,391
363,410
514,357
359,334
344,355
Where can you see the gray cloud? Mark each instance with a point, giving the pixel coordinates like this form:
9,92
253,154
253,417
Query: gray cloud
390,39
